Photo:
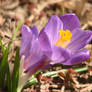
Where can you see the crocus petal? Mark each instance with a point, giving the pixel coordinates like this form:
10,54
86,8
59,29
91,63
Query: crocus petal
80,39
39,65
52,29
59,55
34,56
45,43
78,57
35,31
70,21
26,40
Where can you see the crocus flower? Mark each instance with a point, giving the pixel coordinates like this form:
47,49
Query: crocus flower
63,37
34,59
60,41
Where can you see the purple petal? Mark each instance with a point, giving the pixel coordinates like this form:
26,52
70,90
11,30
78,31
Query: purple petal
35,31
52,29
35,54
79,39
26,40
41,64
45,43
59,55
78,57
70,21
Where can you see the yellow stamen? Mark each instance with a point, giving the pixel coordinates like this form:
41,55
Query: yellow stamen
65,38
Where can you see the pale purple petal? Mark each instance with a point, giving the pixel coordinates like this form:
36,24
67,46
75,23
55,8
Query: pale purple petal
59,54
45,43
52,29
78,57
35,31
26,40
79,39
41,64
35,54
70,21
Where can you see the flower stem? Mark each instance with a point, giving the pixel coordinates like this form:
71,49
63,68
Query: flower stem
33,80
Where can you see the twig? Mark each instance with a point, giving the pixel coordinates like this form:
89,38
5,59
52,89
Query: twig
88,88
84,26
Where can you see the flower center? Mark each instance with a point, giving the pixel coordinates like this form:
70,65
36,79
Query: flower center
65,38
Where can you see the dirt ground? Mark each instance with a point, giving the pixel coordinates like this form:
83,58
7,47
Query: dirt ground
37,12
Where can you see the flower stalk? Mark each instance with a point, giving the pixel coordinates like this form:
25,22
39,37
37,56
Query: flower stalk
53,74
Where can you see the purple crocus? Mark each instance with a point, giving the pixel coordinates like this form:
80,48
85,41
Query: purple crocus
60,41
34,59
